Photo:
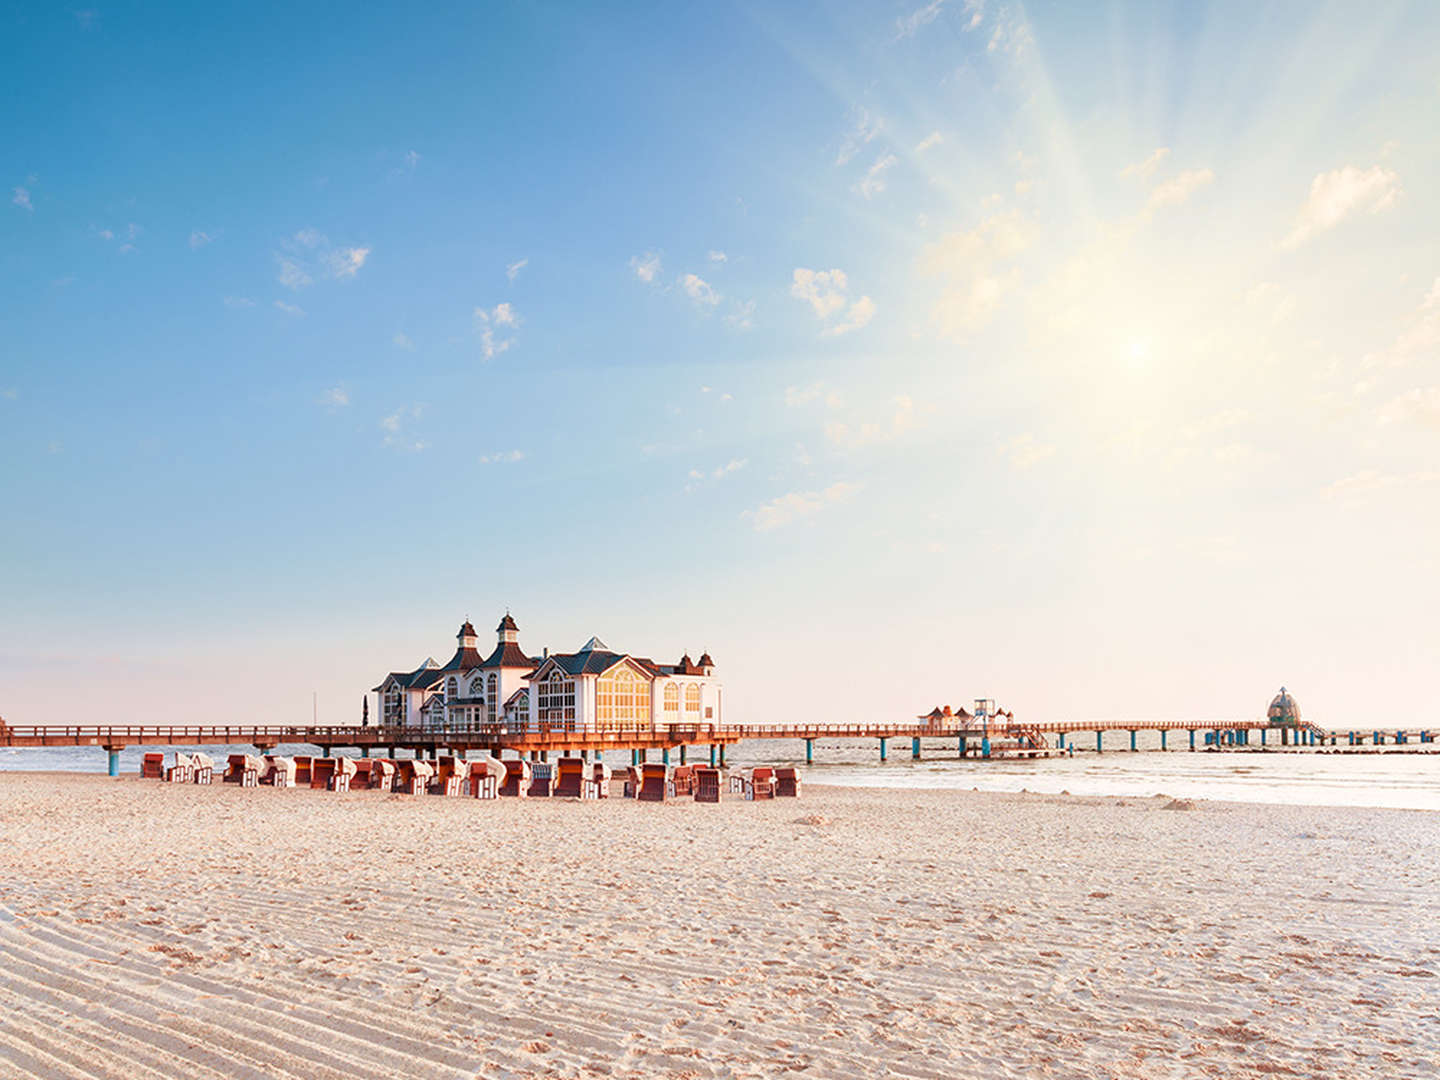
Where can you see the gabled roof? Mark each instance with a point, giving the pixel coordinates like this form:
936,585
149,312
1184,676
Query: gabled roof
524,691
422,678
593,662
507,623
508,654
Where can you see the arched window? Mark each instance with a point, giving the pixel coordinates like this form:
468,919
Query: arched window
477,687
452,687
672,698
692,697
622,698
556,699
493,697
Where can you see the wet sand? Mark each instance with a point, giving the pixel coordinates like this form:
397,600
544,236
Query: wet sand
157,931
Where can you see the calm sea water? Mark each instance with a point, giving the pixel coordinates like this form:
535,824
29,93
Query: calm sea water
1319,779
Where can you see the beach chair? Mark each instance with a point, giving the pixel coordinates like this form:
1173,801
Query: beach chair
486,775
202,767
542,774
761,784
179,773
787,783
450,774
242,769
632,781
682,779
321,770
707,784
152,767
303,766
280,771
360,781
655,783
570,778
597,784
737,783
382,774
344,772
517,778
413,775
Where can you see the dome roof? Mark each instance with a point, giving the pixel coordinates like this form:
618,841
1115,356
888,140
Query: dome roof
1284,707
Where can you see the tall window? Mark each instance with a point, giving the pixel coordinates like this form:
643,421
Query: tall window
622,698
452,687
672,700
692,698
557,697
492,698
477,687
392,710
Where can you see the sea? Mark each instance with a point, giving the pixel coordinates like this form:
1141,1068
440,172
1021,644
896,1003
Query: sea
1316,777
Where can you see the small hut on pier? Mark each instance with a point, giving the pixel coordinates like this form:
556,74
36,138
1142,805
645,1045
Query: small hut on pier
1284,710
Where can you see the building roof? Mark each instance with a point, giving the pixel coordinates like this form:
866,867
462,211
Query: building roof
596,662
465,658
466,630
508,654
422,678
1284,707
705,660
507,623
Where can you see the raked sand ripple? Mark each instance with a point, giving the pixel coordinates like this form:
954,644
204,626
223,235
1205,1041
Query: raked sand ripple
151,931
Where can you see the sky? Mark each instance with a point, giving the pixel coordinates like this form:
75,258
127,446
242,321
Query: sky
1083,357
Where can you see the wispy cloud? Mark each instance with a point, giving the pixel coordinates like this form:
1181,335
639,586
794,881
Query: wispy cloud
346,262
1146,169
1012,35
798,505
742,314
1178,190
501,316
1419,406
1368,482
645,266
513,270
289,309
907,25
930,141
824,290
199,239
869,433
798,396
1420,336
1025,451
21,198
402,341
864,129
239,302
309,255
397,431
337,397
699,290
502,457
1338,194
717,256
978,270
873,182
857,316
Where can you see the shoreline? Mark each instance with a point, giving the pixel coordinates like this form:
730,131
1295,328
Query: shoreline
213,931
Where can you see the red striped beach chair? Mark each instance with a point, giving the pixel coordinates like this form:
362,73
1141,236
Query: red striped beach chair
360,781
655,782
486,776
242,769
180,772
597,784
152,767
278,771
321,770
787,783
413,775
303,766
707,784
202,767
761,784
542,775
570,778
344,772
382,774
450,774
517,778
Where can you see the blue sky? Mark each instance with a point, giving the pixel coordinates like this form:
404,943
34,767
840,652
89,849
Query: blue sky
1086,359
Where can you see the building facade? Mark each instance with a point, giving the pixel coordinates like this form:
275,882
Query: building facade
591,689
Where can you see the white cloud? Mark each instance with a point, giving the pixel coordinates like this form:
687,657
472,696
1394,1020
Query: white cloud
105,234
308,255
514,268
289,309
1418,406
199,239
797,505
485,324
797,396
717,256
733,465
742,315
930,141
907,25
873,181
1012,34
1336,195
870,433
1420,337
645,266
824,290
1369,482
502,457
396,427
9,393
1026,451
975,271
699,290
21,198
346,262
412,159
865,129
403,341
239,302
1146,169
337,397
292,275
859,315
1177,191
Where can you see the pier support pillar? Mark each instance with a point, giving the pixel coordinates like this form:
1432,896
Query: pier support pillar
809,751
114,752
1192,740
665,754
1284,736
712,755
1379,739
883,754
1163,740
682,753
963,742
915,748
985,746
1099,742
1132,742
722,753
1262,735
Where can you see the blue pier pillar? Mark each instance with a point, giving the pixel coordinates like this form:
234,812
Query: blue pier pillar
1099,742
1352,738
963,743
1262,736
712,755
1379,739
1163,739
915,748
883,753
682,754
1133,747
1192,738
809,751
665,754
722,753
985,746
114,761
599,756
1061,741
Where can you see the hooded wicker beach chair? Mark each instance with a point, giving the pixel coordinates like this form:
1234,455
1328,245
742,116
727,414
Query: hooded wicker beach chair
344,774
382,774
787,782
415,775
303,766
682,777
242,769
321,770
632,781
569,778
361,778
450,775
597,784
542,775
707,784
180,772
517,778
152,767
486,776
202,768
655,783
761,784
279,771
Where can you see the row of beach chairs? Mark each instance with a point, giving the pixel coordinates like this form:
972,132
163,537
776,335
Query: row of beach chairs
486,778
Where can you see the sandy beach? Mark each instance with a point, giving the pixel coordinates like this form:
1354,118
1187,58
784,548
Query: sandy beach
157,931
